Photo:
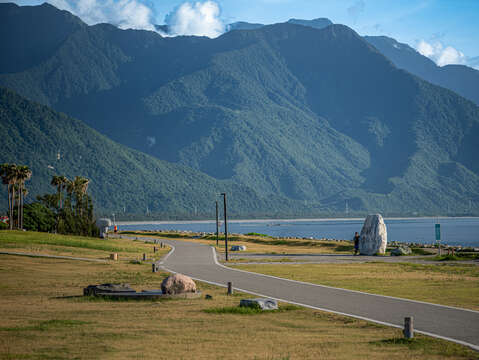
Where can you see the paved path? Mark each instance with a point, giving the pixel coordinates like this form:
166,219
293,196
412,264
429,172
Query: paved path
199,262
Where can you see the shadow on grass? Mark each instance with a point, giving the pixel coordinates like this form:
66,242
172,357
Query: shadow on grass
244,310
82,298
430,346
344,248
457,257
123,299
164,235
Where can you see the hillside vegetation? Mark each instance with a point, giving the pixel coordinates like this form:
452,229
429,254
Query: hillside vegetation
291,111
121,179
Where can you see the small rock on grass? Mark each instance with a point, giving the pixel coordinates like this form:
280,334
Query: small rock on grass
400,251
260,303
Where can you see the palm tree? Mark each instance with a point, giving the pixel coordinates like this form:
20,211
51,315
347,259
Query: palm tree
5,180
60,182
79,187
83,184
23,174
9,177
64,181
70,187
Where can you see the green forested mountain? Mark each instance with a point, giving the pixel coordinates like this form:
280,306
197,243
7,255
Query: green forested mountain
121,179
34,39
459,78
311,115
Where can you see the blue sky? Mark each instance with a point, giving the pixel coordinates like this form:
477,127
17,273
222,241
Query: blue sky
431,26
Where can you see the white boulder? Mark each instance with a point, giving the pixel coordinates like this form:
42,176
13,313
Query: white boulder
374,236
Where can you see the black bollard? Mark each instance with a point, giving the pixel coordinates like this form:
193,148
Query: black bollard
154,268
230,288
408,327
144,257
154,249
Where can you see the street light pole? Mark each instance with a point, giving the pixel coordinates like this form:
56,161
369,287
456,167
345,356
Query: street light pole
216,222
226,226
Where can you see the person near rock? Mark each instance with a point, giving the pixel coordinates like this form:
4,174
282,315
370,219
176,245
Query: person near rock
356,243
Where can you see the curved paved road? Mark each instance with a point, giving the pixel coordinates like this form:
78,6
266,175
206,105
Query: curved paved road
199,262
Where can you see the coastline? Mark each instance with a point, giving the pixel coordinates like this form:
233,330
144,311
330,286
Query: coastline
240,221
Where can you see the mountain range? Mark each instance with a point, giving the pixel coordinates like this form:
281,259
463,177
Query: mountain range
122,180
462,79
305,118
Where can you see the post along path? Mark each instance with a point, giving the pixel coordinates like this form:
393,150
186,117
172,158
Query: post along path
199,262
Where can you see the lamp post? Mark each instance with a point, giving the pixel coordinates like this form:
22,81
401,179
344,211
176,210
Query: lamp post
216,222
226,226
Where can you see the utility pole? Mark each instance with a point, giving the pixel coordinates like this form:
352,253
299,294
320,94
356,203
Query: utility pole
216,222
226,226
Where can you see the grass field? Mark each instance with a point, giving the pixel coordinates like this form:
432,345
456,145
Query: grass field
68,245
44,316
261,244
264,244
442,283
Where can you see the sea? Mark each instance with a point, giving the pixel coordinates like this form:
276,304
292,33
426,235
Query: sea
462,231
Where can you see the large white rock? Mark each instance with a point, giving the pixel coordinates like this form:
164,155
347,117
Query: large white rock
178,284
374,236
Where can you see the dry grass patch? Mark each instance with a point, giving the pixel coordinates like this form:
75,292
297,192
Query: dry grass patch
44,317
446,284
258,244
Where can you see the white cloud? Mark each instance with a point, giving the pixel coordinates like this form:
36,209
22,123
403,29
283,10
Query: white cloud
126,14
199,18
440,54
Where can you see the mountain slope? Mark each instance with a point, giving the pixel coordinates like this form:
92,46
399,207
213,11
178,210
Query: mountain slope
33,40
459,78
121,179
288,110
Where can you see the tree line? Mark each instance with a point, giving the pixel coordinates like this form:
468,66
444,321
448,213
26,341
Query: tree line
68,211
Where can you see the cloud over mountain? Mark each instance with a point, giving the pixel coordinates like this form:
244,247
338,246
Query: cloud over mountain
440,54
126,14
199,18
189,18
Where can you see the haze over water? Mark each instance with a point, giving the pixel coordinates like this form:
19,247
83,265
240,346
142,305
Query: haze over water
454,231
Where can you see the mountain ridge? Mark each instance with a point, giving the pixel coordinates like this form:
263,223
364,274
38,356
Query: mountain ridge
317,115
459,78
